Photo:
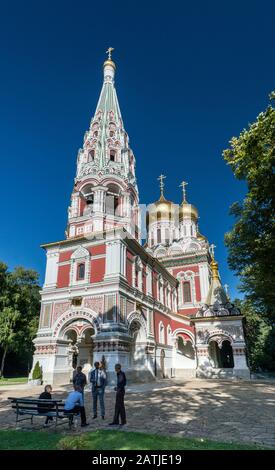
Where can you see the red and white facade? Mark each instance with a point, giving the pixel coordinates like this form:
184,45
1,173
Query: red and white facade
107,297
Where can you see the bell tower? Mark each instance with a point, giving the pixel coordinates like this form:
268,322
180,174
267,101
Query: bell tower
105,193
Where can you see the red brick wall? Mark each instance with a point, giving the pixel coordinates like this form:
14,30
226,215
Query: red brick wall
129,267
97,270
65,256
97,250
63,276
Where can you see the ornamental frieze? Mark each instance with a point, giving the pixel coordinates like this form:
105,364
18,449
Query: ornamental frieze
171,263
50,349
109,346
95,304
76,315
59,308
130,306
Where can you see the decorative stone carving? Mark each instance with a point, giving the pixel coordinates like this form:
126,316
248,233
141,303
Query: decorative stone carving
95,304
59,308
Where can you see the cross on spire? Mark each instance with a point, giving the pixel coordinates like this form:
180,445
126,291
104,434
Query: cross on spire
161,179
183,186
226,288
109,52
212,250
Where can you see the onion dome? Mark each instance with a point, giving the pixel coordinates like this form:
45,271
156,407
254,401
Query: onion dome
201,237
109,60
161,210
187,211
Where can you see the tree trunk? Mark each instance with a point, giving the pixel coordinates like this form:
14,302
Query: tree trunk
3,362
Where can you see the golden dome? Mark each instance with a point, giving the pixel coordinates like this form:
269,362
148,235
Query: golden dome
160,210
188,211
201,237
109,62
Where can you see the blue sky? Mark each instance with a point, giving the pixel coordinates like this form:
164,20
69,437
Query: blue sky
190,75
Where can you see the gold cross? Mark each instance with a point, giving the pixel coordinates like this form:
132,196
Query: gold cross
161,179
183,185
212,250
109,52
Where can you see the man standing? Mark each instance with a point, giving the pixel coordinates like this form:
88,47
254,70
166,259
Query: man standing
75,404
98,381
120,392
80,378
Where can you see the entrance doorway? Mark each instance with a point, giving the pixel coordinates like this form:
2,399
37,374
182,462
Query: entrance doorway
138,343
221,357
81,349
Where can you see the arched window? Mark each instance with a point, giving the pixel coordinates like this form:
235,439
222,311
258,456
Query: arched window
161,333
169,335
112,155
91,156
90,199
167,235
81,271
186,348
158,235
186,292
112,202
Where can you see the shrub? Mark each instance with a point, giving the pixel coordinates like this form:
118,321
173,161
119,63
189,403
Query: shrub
37,372
73,443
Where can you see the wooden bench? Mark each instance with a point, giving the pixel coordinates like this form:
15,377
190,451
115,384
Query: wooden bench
29,407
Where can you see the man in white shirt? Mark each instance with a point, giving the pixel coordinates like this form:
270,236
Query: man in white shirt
98,382
75,404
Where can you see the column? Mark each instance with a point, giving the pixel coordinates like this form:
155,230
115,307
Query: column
115,258
204,280
51,268
240,362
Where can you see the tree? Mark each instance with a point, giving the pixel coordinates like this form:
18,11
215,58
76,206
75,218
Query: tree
19,311
259,337
8,337
251,242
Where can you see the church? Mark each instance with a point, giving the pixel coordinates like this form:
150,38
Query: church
155,305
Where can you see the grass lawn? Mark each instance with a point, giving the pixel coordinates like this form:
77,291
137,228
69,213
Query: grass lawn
108,440
13,380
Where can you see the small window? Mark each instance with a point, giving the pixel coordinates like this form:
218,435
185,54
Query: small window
158,235
112,155
91,156
186,292
90,199
77,301
81,271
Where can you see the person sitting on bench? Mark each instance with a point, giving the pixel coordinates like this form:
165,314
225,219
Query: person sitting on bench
75,404
43,408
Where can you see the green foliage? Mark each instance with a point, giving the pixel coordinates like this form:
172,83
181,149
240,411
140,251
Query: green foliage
110,440
73,443
19,310
251,242
260,337
37,372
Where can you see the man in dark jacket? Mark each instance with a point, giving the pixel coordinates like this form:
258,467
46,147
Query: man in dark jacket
120,392
80,379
